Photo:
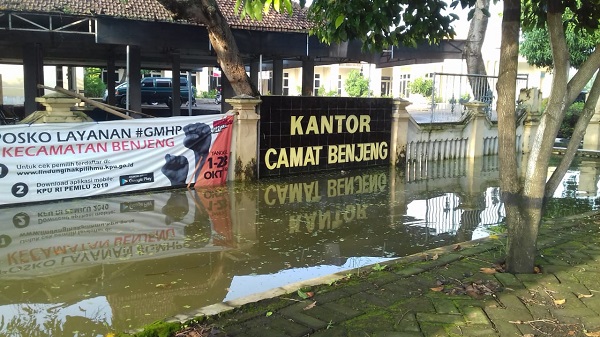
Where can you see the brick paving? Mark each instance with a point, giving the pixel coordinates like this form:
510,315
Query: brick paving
417,295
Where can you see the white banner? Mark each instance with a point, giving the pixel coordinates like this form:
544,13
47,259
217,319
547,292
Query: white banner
52,238
41,162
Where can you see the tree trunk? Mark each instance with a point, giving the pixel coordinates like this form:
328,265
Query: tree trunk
509,179
578,134
574,87
472,52
527,213
221,38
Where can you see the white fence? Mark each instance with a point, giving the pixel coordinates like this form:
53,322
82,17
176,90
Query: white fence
452,91
475,134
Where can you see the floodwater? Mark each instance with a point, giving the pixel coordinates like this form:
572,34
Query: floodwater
87,267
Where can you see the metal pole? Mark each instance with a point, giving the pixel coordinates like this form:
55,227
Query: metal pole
260,74
190,93
127,80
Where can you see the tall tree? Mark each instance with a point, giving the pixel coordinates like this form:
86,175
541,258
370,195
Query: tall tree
382,23
207,12
535,47
524,198
387,23
472,52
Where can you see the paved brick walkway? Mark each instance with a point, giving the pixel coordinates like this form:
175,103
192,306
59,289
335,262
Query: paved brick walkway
442,292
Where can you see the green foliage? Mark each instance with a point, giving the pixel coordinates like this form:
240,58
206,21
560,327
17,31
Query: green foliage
357,85
256,8
160,329
464,98
421,86
92,82
322,92
571,116
535,46
378,24
582,14
378,267
208,94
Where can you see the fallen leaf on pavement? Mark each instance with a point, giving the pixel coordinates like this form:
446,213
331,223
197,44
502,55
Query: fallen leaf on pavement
435,257
474,294
584,296
488,271
310,306
305,295
560,302
593,334
440,288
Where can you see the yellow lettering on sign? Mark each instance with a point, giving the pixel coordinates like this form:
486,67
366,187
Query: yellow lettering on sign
312,126
352,124
283,159
295,126
330,124
346,153
268,163
292,157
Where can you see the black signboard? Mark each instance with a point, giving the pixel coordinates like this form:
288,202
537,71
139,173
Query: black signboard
309,134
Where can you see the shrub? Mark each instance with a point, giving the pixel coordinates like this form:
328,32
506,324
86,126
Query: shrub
421,86
92,82
571,117
357,85
208,94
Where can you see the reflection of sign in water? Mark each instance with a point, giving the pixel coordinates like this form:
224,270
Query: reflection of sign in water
42,162
327,203
309,134
52,238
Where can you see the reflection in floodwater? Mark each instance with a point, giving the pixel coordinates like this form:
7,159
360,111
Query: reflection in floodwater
97,265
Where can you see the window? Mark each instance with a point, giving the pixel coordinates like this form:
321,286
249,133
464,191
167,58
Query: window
286,84
339,85
386,85
403,85
163,83
147,82
317,84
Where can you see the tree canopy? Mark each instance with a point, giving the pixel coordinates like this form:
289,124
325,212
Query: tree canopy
357,85
535,46
378,24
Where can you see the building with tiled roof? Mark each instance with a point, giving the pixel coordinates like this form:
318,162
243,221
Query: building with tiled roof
148,10
144,34
272,21
152,10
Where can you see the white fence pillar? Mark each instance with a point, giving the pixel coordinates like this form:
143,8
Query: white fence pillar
400,124
244,141
478,128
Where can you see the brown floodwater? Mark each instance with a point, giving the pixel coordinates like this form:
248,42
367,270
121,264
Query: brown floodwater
88,267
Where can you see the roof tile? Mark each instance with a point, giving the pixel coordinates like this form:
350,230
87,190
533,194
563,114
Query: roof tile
152,10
